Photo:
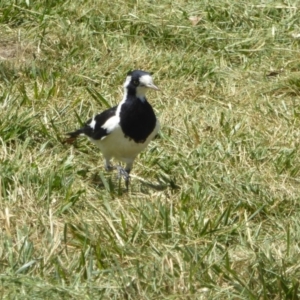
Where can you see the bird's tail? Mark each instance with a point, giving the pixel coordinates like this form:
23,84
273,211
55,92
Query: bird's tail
72,136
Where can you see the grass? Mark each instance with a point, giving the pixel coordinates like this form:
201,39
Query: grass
213,208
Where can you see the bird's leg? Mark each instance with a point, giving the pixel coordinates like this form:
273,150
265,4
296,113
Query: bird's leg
127,178
125,173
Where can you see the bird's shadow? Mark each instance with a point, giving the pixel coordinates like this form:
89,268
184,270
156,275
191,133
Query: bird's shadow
160,185
109,182
114,184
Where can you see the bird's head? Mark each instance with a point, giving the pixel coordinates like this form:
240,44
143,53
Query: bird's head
137,82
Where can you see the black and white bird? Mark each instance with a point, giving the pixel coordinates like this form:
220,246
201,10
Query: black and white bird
123,131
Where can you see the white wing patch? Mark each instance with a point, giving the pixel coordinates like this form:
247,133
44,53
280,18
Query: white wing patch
111,124
93,123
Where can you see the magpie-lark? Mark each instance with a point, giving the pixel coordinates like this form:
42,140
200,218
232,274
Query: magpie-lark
125,130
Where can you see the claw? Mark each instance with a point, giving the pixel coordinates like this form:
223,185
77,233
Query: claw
109,168
125,174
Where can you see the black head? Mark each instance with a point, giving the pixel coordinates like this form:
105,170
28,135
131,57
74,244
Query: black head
138,81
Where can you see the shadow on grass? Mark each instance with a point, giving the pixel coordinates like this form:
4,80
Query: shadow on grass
114,184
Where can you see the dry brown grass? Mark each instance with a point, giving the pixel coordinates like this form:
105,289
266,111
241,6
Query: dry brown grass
213,209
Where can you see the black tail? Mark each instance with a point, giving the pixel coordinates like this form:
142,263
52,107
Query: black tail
72,136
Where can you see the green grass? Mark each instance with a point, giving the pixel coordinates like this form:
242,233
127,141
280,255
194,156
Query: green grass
213,211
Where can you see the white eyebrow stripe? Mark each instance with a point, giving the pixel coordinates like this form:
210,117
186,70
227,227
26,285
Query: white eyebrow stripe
146,80
127,81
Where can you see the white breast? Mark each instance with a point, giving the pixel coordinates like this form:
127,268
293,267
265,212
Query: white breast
120,147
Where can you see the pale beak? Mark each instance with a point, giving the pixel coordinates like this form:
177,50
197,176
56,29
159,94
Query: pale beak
152,86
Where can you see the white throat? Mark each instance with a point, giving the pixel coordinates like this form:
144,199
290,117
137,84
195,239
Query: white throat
140,93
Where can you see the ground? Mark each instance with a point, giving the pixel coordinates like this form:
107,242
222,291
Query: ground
213,207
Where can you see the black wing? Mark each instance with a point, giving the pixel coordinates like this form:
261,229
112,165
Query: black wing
93,127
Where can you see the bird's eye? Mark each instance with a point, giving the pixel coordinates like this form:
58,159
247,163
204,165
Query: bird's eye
135,82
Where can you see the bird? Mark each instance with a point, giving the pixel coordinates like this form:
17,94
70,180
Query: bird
123,131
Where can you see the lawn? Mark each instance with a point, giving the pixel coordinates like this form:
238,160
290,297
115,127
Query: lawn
213,209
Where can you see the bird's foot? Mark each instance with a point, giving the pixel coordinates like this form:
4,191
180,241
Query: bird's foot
109,168
125,174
